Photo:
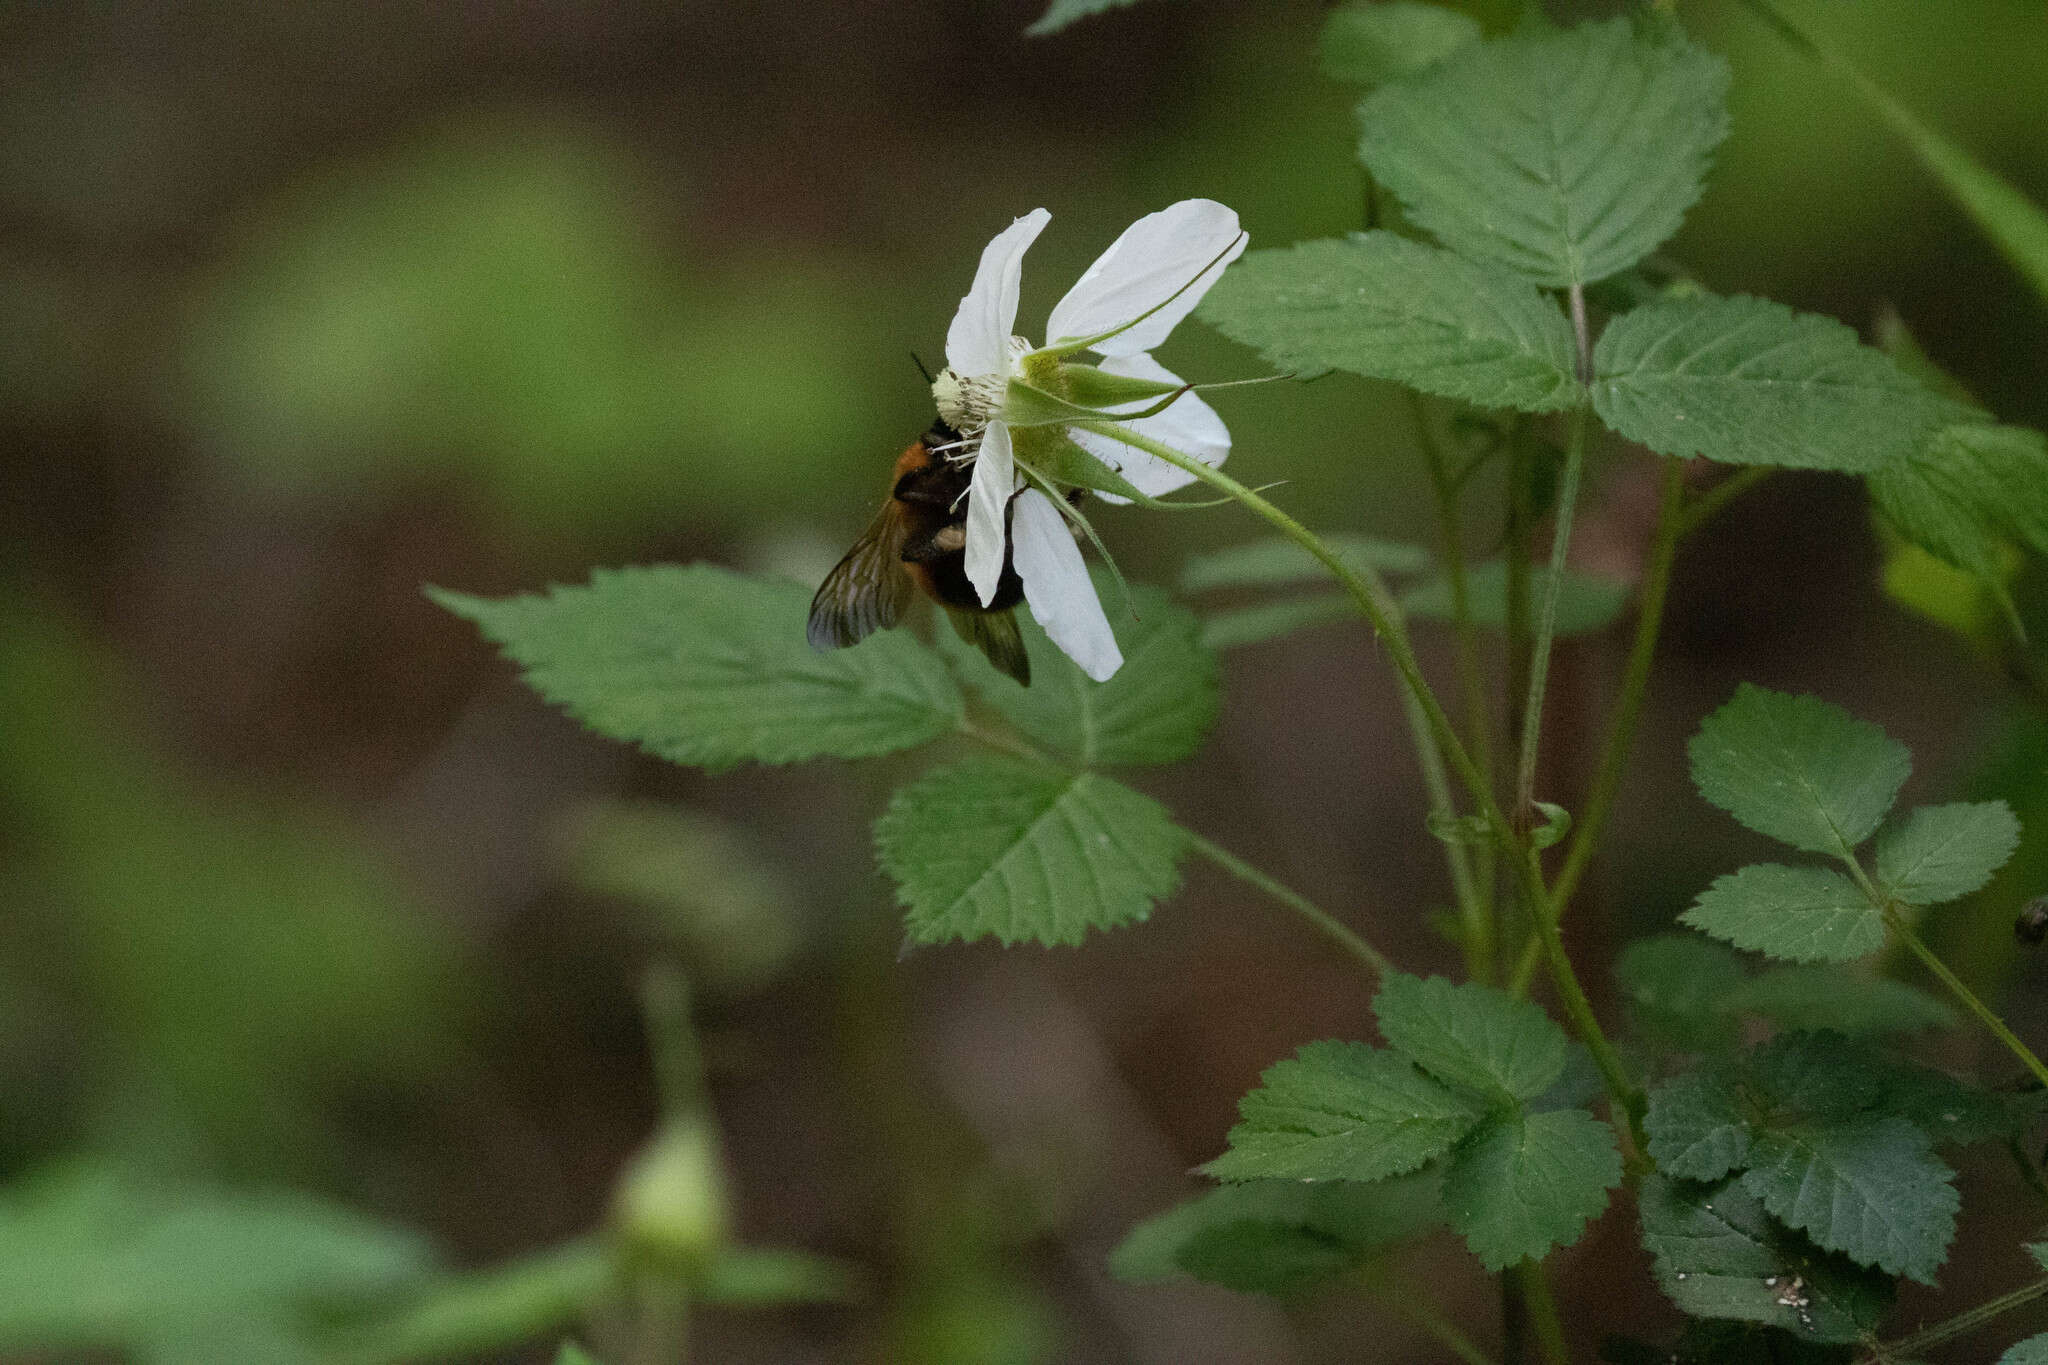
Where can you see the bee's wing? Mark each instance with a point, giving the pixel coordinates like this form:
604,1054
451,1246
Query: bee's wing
867,590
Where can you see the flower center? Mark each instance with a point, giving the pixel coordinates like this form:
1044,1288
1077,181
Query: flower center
969,402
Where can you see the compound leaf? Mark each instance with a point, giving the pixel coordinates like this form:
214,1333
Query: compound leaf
704,666
1564,156
1366,43
1720,1255
1342,1111
1747,381
1802,914
1471,1035
993,848
1798,769
1524,1183
1696,1126
1940,853
1870,1188
1389,308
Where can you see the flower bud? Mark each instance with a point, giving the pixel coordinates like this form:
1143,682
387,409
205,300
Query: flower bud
669,1208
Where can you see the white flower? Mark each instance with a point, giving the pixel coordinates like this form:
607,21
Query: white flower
1122,306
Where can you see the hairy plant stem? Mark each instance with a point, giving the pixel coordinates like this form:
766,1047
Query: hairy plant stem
1532,1282
1628,709
1969,1320
1474,884
1400,1294
1329,925
1293,900
1370,592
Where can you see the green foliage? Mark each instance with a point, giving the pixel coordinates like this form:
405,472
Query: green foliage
1367,42
1157,708
1062,13
1693,995
2034,1350
1747,381
1388,308
1562,156
1697,1126
93,1257
1719,1254
703,666
1278,1236
1941,853
1967,490
1798,769
572,1354
1839,998
1263,563
1585,603
1343,1111
989,847
1871,1188
1524,1183
1471,1035
1803,914
1272,620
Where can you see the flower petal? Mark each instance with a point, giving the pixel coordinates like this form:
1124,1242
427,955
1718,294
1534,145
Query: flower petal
1189,425
988,504
978,342
1057,586
1156,256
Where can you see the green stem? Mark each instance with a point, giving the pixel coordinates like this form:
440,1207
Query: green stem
1621,726
1409,1300
1293,900
1546,622
1963,993
1370,592
1707,505
1475,893
1329,924
1533,1281
1969,1320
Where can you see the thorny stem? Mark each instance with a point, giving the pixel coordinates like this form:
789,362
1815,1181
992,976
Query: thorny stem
1475,895
1345,938
1896,920
1969,1320
1628,710
1370,592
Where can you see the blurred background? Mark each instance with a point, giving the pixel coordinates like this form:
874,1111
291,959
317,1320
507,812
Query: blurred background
323,939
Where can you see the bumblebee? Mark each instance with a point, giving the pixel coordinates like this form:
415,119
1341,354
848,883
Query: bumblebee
919,539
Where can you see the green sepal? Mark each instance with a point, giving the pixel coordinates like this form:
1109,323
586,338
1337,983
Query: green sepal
1025,405
1094,387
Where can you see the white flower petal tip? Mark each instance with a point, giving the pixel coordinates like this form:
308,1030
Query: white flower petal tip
1058,589
978,341
1188,424
988,502
1165,261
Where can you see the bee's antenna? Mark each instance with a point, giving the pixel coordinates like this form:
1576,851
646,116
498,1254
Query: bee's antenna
920,367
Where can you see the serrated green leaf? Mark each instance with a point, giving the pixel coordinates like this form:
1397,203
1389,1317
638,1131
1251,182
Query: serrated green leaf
1697,1127
1273,620
1263,563
1940,853
1389,308
1818,1077
1564,156
704,666
1965,492
1720,1255
1061,13
1953,1111
1471,1035
1840,998
2034,1350
1798,769
1220,1235
1676,985
1157,708
1367,43
1585,602
1801,914
1342,1111
992,848
1747,381
1525,1183
1870,1188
